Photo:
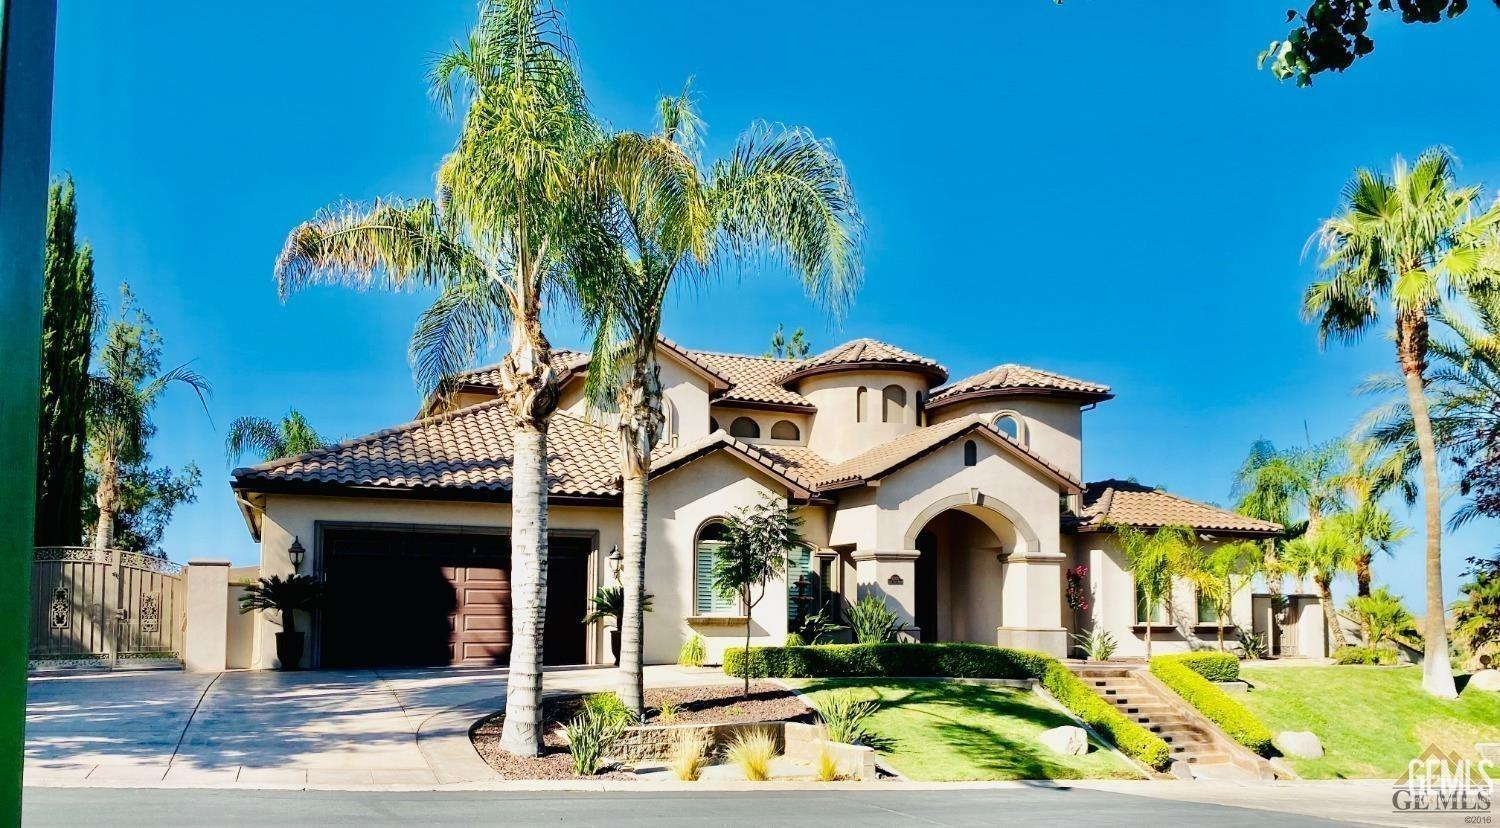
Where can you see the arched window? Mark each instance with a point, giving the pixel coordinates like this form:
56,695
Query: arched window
744,427
1011,425
859,404
713,425
706,600
894,410
785,430
668,434
971,453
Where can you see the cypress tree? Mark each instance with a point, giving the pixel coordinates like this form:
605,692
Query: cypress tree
68,318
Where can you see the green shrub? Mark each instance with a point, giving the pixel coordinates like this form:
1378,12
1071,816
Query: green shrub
872,622
954,661
1232,717
693,652
1364,655
1098,645
794,640
606,706
1210,665
593,732
844,715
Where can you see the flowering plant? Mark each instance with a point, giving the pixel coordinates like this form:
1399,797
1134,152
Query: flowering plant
1077,592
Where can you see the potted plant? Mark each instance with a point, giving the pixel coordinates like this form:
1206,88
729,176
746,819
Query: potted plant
609,602
286,596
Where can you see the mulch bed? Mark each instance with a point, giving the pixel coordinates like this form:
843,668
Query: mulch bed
716,704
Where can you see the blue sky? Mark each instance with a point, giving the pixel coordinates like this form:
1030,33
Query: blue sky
1091,189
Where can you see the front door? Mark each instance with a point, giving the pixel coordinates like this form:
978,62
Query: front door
926,588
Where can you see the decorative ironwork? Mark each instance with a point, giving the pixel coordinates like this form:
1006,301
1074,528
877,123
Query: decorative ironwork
76,554
150,612
61,609
150,563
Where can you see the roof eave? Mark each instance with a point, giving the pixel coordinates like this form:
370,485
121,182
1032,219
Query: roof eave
1018,391
937,373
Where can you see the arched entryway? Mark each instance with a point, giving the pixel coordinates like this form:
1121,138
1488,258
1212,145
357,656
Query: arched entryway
959,573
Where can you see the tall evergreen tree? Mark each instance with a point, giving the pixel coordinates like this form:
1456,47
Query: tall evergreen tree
68,318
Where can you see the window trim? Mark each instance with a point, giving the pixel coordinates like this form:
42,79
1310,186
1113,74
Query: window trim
732,607
888,400
1022,432
1139,603
971,453
796,430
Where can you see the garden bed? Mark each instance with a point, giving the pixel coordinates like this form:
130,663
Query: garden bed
712,704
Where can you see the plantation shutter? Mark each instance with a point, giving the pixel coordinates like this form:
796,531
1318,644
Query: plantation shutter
709,601
799,566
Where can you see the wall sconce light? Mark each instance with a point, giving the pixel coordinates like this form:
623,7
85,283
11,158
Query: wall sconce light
616,561
296,553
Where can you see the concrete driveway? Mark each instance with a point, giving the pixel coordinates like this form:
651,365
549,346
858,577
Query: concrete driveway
242,728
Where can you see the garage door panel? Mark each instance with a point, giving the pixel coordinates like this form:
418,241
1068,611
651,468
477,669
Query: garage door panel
484,574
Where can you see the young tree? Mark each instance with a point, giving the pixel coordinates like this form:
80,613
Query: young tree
1222,573
1408,240
1323,556
758,542
792,349
1154,557
290,436
781,191
509,229
121,396
69,315
1382,616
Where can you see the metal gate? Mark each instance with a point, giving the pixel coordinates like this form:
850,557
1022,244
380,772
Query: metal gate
105,607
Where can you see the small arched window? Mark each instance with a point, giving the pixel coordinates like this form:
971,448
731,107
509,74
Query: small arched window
1010,424
706,599
859,404
894,410
744,427
785,430
971,453
667,436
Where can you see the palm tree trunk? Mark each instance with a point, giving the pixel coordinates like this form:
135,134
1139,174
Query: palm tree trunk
1148,631
1271,564
522,730
1411,349
633,582
1362,573
1325,591
640,421
106,499
1221,632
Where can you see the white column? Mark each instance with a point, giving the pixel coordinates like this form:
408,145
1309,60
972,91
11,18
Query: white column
205,646
1031,603
891,574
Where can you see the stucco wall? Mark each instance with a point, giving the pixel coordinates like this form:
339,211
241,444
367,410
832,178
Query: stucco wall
837,433
682,502
1054,428
1113,608
725,415
288,516
686,397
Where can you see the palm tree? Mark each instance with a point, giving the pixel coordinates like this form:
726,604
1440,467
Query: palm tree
1222,573
1369,476
1382,616
1153,558
1411,240
120,398
780,190
291,436
508,230
1476,616
1323,555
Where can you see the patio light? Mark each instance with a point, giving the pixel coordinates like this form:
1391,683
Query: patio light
296,553
616,561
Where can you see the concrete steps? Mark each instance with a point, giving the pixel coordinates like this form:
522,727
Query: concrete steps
1188,741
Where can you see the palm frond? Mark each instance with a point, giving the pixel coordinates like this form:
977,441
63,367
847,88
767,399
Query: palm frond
256,435
393,244
460,324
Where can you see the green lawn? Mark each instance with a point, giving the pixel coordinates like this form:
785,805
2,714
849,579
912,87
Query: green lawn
938,730
1372,720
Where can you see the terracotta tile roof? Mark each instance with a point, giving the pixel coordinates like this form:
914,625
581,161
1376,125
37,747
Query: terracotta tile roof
865,352
1132,504
1017,378
468,449
564,362
891,455
752,379
790,466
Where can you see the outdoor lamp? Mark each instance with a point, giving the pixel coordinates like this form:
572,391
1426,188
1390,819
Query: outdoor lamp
296,553
616,560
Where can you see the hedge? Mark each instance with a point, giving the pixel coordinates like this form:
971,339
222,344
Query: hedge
1364,655
1210,665
1232,717
955,661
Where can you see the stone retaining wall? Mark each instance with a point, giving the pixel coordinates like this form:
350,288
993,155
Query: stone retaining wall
797,741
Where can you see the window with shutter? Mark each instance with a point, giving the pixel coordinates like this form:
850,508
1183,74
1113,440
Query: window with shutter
707,600
801,592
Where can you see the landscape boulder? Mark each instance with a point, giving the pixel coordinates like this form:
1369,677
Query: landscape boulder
1300,743
1486,680
1067,740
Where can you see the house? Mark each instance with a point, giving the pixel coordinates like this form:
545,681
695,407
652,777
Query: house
961,504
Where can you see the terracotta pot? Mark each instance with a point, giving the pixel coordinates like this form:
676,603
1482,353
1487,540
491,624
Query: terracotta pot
289,650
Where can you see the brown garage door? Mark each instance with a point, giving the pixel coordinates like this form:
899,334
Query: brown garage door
409,598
